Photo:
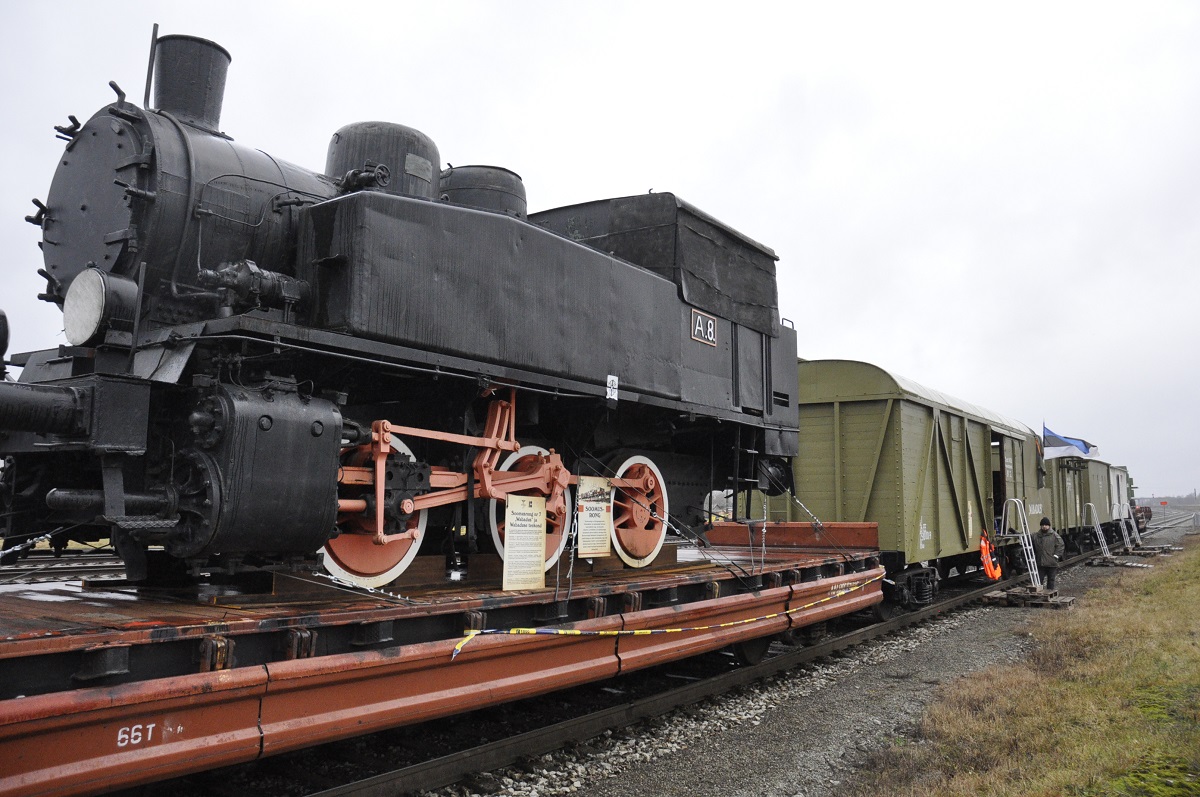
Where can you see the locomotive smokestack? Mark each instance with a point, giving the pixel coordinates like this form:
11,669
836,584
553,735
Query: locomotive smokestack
189,79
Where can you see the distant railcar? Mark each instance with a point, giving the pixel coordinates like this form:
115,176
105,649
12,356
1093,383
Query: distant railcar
1079,481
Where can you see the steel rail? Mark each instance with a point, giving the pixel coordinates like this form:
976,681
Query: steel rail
63,563
42,569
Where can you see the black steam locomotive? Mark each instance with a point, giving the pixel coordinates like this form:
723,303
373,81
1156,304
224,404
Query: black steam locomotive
264,362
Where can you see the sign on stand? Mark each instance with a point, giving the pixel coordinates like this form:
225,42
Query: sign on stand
525,542
593,512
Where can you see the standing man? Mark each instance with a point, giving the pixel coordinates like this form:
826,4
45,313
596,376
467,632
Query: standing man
1049,549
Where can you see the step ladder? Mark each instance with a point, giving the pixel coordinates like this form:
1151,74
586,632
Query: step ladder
1096,526
1127,514
746,485
1035,575
1116,509
1116,513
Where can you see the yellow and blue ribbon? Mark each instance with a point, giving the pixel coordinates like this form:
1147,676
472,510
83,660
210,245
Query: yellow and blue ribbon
471,634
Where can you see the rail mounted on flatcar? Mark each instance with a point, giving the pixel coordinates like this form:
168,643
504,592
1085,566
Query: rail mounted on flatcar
264,362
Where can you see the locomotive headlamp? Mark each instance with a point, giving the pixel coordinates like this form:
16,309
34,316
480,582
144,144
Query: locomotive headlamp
96,301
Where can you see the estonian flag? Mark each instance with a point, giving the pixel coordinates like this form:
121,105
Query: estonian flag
1059,446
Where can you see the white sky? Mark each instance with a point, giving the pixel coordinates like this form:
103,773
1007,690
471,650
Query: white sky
998,200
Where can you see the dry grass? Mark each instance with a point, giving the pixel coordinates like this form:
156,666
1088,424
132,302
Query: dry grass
1108,704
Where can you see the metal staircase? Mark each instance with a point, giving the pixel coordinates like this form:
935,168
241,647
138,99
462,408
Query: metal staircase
1096,526
1116,513
1035,576
1127,515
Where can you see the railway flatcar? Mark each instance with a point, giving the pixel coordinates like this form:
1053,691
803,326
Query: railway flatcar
264,361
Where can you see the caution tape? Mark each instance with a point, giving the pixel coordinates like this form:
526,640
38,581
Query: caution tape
837,593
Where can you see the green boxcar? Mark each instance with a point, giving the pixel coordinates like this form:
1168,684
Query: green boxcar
1078,481
931,470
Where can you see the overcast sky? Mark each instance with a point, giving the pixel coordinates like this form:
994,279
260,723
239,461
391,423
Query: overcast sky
1000,201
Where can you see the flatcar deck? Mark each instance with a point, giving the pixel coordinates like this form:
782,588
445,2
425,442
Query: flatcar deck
114,685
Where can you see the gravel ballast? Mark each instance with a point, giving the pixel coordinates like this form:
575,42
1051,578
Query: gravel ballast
800,733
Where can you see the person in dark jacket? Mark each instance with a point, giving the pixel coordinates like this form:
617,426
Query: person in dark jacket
1049,549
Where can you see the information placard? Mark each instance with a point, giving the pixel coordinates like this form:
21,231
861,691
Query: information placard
525,542
593,511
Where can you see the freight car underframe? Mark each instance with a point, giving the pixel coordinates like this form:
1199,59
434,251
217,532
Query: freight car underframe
110,686
260,339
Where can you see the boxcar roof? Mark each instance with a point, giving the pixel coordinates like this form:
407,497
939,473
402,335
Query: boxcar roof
823,381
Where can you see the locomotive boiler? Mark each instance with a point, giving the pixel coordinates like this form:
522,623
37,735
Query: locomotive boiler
266,366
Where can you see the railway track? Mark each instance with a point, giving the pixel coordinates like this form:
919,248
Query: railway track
1173,520
42,566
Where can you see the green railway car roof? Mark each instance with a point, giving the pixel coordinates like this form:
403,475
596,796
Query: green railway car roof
825,381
